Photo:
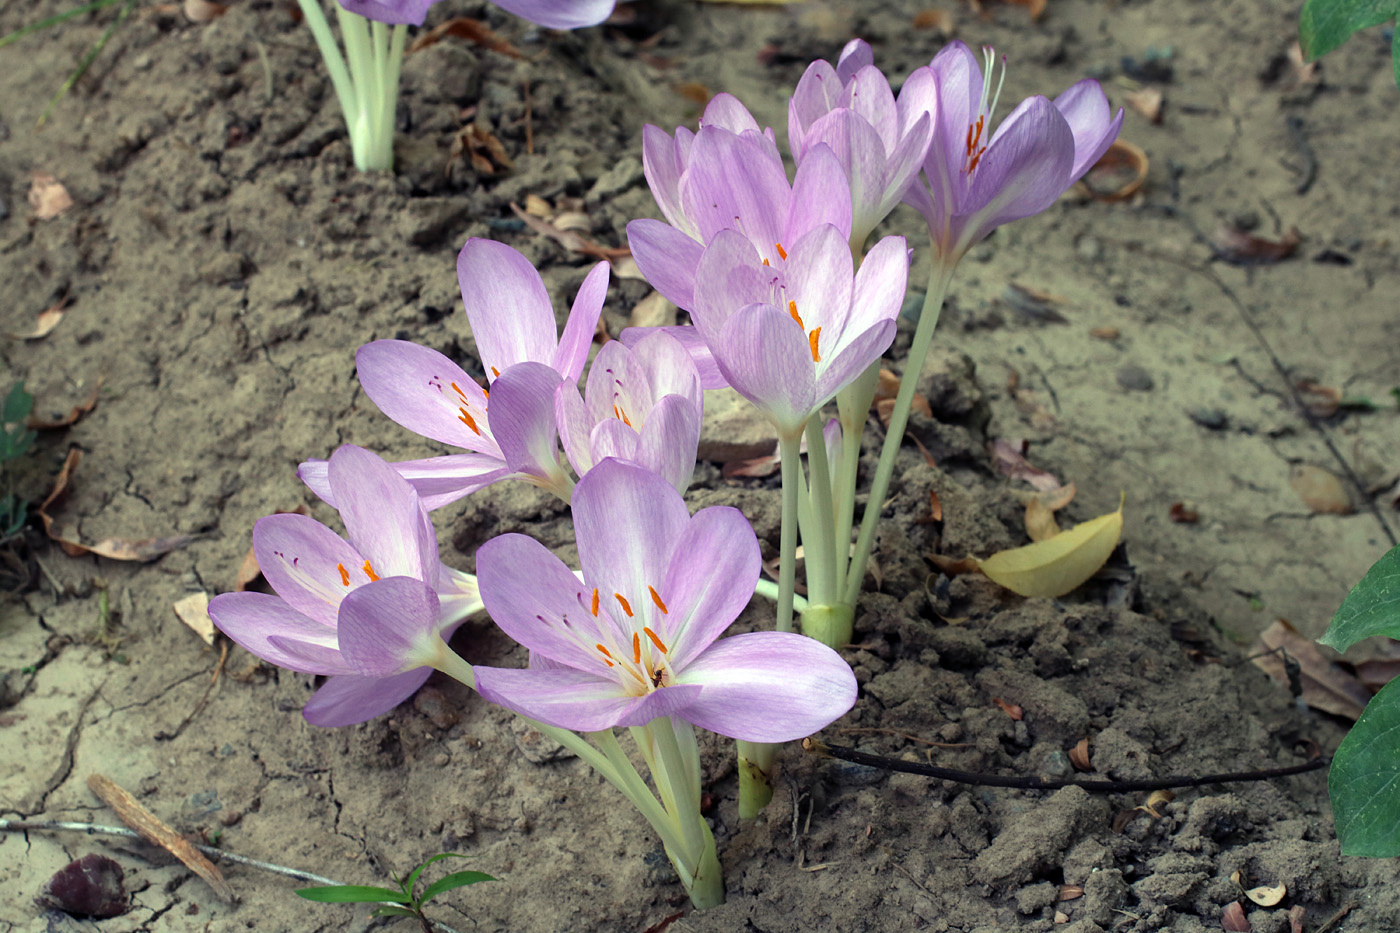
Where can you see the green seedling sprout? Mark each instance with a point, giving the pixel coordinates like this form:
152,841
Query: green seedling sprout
92,53
400,903
16,438
1326,24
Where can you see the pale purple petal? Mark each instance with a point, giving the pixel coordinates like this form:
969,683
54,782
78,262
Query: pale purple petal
559,14
522,419
582,324
615,386
577,700
302,561
727,112
735,182
768,687
816,95
347,699
881,282
393,12
1086,110
612,438
831,440
575,423
869,96
709,582
669,440
252,620
821,194
854,357
767,358
863,158
538,601
902,168
440,480
425,392
1024,170
957,75
855,55
662,166
511,317
819,282
383,517
668,367
730,276
389,626
667,257
311,656
695,347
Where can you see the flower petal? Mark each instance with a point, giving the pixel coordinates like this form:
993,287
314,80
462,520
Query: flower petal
575,422
881,283
714,566
662,166
767,358
768,687
510,313
253,620
821,194
1086,110
576,700
855,55
348,699
522,419
582,324
425,392
817,93
667,257
302,561
560,14
851,360
695,347
669,440
393,12
736,182
384,519
389,626
1024,170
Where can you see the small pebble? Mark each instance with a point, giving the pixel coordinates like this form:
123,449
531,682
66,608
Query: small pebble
1134,378
1210,418
1088,248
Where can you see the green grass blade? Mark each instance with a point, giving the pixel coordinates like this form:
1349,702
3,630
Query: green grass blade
353,894
53,21
413,878
458,879
85,63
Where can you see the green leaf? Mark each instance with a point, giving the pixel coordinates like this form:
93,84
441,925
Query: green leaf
392,912
458,879
1326,24
353,894
413,878
1371,608
18,405
1364,781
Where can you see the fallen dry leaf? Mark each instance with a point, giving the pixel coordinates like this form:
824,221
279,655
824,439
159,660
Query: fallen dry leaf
1233,919
1322,684
481,148
1375,674
619,257
47,197
1105,333
1266,896
1010,709
193,610
953,567
1239,248
75,413
1079,756
472,30
935,507
1180,514
1009,456
1321,491
886,392
1119,174
1296,913
45,323
1322,401
1146,101
756,468
1058,565
204,11
150,828
1069,892
695,92
1040,521
1155,801
940,20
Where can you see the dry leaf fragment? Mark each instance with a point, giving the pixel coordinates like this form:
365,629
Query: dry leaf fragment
76,412
953,567
935,506
1155,800
1320,490
1239,248
1266,896
204,11
940,20
472,30
482,149
1296,913
1040,521
46,321
47,197
1322,401
1321,684
1010,709
1146,101
1182,515
619,257
887,390
1119,174
1079,756
1009,455
695,92
150,828
193,610
1105,333
1233,919
1069,892
1060,564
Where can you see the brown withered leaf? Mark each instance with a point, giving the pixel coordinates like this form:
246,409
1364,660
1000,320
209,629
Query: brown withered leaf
480,147
1010,709
1266,896
1324,685
1155,800
1146,101
47,196
1079,756
695,92
940,20
952,567
193,610
619,257
1233,920
1040,521
1321,490
1182,515
1296,913
1375,674
935,506
758,467
1105,333
1240,248
473,30
1036,7
74,414
887,390
1322,401
1119,174
1069,892
1008,453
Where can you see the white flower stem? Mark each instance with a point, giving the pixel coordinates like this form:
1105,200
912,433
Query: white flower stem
787,547
768,589
819,550
939,276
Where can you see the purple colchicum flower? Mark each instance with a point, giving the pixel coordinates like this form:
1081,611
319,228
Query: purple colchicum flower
723,179
512,322
788,337
851,109
644,405
977,179
636,639
551,14
370,612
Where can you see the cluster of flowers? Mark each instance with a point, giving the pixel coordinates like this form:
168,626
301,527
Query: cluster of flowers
787,307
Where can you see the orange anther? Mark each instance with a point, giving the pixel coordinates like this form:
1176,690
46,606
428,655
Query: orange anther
812,339
369,572
456,388
626,606
782,253
344,574
792,310
636,648
660,646
466,418
495,372
607,655
656,598
595,601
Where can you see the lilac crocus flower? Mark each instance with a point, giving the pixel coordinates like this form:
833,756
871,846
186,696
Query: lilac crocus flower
789,338
370,613
512,322
637,638
978,179
552,14
722,179
851,109
644,404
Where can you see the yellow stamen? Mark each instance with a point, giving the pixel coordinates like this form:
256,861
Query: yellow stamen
626,606
812,339
466,418
607,655
369,572
595,602
646,629
792,309
344,574
495,372
656,598
636,648
782,253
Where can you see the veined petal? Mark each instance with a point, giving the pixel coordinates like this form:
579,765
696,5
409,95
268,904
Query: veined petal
575,424
347,699
768,359
821,194
881,282
302,561
957,76
714,567
614,387
852,359
458,597
819,282
1024,170
612,438
728,112
855,55
667,257
253,620
383,517
522,415
576,700
902,168
735,182
729,276
511,317
695,347
857,146
1086,110
582,324
817,93
440,480
389,626
662,166
869,96
669,440
666,366
393,12
539,602
425,392
559,14
768,687
626,519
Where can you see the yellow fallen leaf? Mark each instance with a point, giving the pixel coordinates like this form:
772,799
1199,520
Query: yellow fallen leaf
193,610
1040,521
1057,565
1266,896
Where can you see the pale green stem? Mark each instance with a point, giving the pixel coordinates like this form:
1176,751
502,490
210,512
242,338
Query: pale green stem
819,549
787,547
768,589
335,62
853,404
755,776
674,772
899,418
636,790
